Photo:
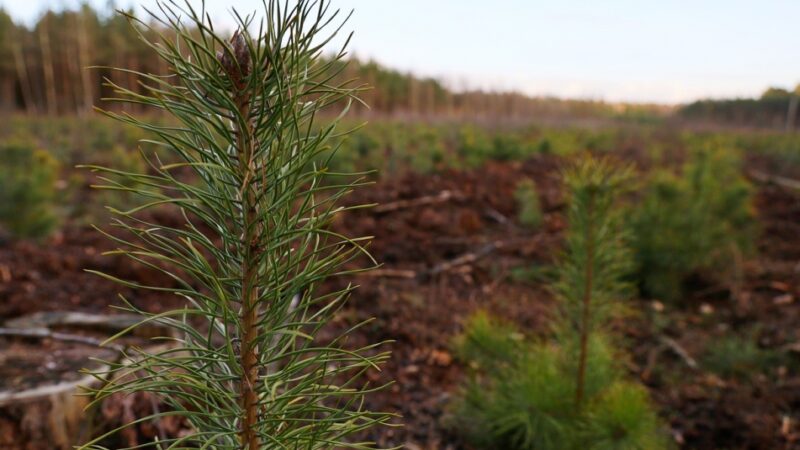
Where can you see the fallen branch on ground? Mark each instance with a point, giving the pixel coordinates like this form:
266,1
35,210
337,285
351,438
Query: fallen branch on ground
498,217
441,197
466,258
680,351
389,273
766,178
44,333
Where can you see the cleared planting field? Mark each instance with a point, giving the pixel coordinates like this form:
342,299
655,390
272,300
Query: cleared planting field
717,348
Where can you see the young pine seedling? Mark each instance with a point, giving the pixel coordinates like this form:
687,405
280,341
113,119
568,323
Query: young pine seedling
700,222
530,209
569,393
252,246
28,200
595,262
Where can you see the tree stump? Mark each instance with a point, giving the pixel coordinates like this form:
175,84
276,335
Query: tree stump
41,357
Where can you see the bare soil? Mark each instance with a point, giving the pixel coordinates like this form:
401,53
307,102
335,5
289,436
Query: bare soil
446,256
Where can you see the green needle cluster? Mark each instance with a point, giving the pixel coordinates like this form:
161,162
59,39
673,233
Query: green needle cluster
245,367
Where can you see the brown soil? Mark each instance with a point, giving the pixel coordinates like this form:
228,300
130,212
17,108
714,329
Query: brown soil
421,308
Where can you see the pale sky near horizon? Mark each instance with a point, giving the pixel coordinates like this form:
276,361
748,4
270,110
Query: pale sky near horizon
616,50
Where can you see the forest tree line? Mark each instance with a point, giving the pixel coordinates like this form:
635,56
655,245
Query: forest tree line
776,108
43,70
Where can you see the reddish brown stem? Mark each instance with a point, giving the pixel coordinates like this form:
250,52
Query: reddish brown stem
250,328
587,301
236,63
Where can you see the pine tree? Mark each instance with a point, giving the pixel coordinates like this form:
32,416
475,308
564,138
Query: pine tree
569,393
596,259
248,371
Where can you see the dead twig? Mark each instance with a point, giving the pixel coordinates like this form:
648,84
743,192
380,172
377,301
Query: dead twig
441,197
44,333
389,273
466,258
497,216
766,178
680,351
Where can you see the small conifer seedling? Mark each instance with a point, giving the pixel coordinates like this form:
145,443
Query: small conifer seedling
595,262
252,244
699,222
27,190
530,209
569,393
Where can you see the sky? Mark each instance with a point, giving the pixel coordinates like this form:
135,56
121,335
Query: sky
668,51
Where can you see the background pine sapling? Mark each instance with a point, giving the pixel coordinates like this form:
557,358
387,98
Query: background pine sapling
528,206
699,222
568,393
595,262
27,190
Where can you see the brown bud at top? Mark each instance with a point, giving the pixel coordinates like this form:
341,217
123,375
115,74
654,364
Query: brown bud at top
236,60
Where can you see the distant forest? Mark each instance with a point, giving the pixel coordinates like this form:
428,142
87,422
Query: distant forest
775,108
43,71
